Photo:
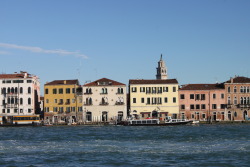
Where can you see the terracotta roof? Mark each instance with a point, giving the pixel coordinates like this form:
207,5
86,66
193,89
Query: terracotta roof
11,76
153,81
104,82
202,87
239,80
63,82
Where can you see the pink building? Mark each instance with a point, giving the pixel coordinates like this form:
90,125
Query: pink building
202,102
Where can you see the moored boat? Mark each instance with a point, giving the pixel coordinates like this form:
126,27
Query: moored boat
156,122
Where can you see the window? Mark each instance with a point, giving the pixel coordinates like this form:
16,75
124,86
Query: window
67,101
222,96
120,91
203,116
214,96
203,106
197,106
182,96
191,96
55,101
182,107
54,109
165,89
8,110
228,89
197,96
214,106
148,100
46,91
203,97
165,99
222,106
104,91
134,100
67,90
134,89
54,91
235,89
192,107
29,81
73,90
142,100
174,99
21,101
73,109
29,90
3,110
228,100
142,89
160,90
148,90
61,91
47,101
15,110
29,110
235,100
61,101
174,89
29,101
73,100
241,89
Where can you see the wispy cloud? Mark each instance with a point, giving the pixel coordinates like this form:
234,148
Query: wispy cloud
4,53
41,50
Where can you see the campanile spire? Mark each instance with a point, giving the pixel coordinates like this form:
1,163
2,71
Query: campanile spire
161,70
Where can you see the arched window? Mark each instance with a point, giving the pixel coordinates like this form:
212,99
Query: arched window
29,101
90,91
241,100
12,100
8,100
21,90
16,90
228,89
228,100
245,100
235,89
241,89
248,100
235,100
21,101
235,114
29,90
12,90
8,90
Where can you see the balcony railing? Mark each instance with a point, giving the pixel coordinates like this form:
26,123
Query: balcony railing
88,93
88,104
104,104
243,106
119,103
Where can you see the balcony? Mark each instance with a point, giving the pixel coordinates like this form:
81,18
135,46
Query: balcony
88,93
243,105
67,103
88,104
60,103
104,104
119,103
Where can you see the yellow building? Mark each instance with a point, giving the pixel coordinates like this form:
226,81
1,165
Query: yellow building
154,98
63,102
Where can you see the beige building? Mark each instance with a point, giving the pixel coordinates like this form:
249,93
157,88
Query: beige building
104,101
154,98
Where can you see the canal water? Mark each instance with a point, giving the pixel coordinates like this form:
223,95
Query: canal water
202,145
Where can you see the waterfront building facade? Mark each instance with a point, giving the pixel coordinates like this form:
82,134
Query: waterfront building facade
203,102
105,101
238,98
63,102
20,95
154,98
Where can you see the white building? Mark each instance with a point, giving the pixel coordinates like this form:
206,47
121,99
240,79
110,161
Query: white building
104,101
20,95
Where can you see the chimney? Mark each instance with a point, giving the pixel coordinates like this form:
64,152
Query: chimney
232,79
65,82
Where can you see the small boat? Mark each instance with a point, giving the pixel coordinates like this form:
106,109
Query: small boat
156,122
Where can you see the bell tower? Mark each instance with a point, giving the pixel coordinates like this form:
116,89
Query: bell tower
161,70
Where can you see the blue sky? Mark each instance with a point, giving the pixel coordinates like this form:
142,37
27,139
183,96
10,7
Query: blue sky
201,41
